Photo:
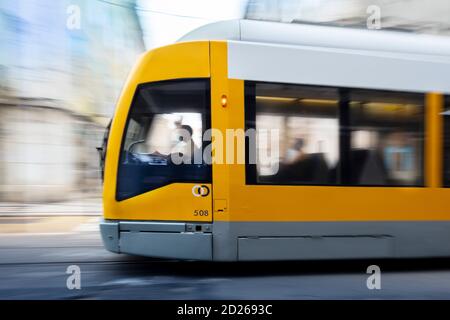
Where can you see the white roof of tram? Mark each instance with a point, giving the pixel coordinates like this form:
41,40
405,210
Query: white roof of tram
322,36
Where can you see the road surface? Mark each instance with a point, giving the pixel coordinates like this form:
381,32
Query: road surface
35,252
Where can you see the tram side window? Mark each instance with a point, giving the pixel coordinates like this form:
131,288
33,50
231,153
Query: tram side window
387,138
163,139
297,130
446,115
312,135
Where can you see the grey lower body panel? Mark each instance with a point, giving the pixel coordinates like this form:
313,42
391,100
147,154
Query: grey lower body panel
189,246
259,241
314,248
170,240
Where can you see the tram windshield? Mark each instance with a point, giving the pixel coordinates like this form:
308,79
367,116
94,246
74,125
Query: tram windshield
163,140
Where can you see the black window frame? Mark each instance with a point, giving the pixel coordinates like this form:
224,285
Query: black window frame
206,125
344,141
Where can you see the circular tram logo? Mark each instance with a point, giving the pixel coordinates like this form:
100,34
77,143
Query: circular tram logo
200,190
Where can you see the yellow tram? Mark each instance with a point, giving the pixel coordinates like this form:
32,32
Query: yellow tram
348,158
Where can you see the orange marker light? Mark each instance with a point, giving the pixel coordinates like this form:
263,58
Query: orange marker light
224,101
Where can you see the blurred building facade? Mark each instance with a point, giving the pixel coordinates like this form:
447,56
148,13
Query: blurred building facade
431,16
62,65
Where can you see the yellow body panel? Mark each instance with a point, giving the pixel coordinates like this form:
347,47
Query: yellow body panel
321,203
220,121
434,154
234,200
174,202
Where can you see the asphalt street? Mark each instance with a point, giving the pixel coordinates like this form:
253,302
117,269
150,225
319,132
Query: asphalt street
34,260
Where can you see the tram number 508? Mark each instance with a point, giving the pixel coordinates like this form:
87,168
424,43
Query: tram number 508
201,213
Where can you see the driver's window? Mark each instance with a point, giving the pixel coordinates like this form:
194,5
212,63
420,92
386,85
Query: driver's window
163,136
163,140
133,131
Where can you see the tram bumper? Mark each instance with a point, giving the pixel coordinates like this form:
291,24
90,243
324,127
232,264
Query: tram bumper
172,240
